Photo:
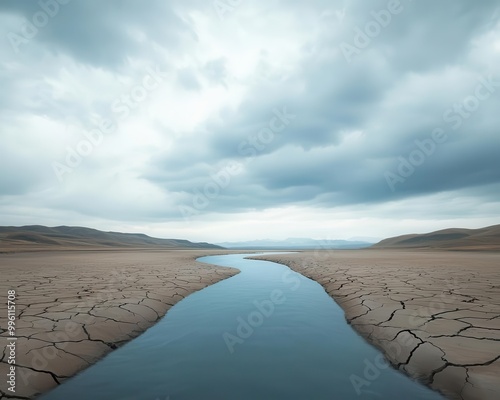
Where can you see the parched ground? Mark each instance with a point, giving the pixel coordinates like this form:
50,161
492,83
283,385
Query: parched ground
435,315
74,307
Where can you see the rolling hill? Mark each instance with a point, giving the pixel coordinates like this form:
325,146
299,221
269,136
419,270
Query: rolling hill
38,237
447,239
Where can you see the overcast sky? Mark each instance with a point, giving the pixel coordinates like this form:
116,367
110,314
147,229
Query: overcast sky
234,120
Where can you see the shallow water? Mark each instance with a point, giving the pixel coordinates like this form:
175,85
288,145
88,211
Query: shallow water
267,333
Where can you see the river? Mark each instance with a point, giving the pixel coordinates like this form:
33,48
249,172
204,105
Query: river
266,333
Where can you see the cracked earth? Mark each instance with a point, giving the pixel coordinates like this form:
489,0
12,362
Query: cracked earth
75,307
435,315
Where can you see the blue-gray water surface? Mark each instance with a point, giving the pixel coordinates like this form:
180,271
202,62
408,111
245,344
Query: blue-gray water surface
266,333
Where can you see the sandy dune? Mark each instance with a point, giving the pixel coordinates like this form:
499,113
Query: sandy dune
436,315
74,307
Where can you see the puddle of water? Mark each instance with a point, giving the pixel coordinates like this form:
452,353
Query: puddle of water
267,333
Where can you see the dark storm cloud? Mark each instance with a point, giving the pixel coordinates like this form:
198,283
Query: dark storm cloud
350,121
310,163
324,104
105,33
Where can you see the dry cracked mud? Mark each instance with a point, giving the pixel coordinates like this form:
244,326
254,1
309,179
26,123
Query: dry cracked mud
435,315
75,307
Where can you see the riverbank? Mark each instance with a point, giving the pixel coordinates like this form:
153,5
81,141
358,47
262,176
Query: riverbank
267,333
435,315
72,308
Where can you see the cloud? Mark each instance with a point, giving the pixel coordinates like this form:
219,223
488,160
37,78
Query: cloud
361,132
104,34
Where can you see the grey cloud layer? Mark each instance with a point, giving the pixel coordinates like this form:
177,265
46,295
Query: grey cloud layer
353,120
105,34
332,97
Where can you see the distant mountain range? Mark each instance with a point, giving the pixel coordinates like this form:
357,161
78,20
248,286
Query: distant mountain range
37,237
63,237
447,239
296,244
